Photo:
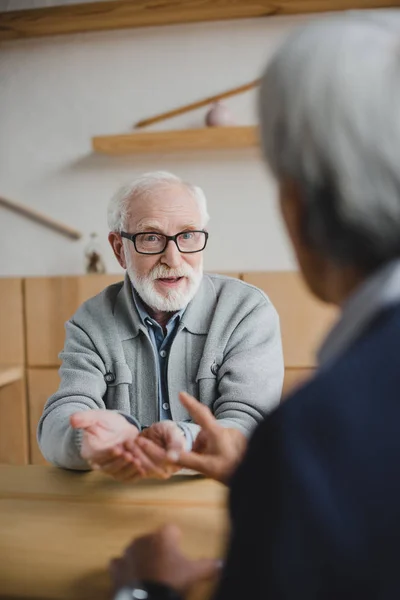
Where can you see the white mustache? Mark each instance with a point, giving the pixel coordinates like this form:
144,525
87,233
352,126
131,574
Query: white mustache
161,272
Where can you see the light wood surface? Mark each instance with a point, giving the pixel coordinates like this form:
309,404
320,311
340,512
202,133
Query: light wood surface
117,14
13,424
34,215
50,302
59,529
42,383
304,320
206,138
194,105
9,374
12,339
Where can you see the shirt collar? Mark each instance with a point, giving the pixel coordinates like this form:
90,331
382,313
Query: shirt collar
378,292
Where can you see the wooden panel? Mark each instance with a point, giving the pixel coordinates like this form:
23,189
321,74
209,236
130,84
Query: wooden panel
295,378
42,383
60,529
304,320
13,424
9,374
206,138
50,302
117,14
12,350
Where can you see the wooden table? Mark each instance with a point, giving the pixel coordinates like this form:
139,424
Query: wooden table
58,529
13,416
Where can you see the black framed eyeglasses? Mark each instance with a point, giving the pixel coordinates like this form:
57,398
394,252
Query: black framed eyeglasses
153,242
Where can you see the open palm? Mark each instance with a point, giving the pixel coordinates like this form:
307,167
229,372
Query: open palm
104,433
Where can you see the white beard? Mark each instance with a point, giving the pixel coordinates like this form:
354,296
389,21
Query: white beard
174,299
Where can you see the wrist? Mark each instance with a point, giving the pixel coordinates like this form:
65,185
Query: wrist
147,590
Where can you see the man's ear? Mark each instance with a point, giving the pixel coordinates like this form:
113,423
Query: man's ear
118,247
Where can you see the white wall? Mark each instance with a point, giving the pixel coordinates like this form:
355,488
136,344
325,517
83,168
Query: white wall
56,93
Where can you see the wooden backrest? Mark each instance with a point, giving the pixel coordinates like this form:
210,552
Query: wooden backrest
304,320
12,339
49,303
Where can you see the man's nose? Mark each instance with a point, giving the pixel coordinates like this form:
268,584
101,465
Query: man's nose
171,255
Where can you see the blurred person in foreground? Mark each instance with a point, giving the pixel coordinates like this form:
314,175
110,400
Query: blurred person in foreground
315,504
168,327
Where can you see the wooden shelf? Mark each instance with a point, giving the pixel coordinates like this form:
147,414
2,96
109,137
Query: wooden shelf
9,374
206,138
119,14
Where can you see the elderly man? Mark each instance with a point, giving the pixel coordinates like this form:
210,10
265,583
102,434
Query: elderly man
315,504
166,328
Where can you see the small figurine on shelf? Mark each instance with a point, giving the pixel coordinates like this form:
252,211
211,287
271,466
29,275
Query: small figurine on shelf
93,258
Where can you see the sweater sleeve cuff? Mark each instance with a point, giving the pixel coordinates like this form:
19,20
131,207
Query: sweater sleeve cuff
188,436
131,420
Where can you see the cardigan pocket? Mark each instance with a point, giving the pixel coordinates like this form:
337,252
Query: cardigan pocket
118,373
208,369
119,379
207,382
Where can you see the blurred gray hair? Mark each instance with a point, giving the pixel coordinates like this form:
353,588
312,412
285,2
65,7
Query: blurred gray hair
330,122
119,206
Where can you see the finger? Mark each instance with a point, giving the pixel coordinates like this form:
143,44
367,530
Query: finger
206,568
129,474
159,457
150,468
191,460
129,445
102,457
200,414
154,452
170,534
114,467
83,419
175,439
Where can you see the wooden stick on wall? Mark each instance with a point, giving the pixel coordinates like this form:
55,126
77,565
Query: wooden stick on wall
188,107
34,215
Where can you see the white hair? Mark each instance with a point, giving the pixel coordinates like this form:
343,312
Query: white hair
330,122
119,206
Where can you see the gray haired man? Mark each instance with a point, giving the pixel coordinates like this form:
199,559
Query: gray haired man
167,328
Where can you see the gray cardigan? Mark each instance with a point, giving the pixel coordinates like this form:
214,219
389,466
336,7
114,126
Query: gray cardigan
227,353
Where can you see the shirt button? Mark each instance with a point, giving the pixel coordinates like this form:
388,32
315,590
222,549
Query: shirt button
148,322
109,377
163,354
165,406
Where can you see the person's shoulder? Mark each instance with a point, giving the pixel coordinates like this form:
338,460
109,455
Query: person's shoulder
100,306
314,401
236,289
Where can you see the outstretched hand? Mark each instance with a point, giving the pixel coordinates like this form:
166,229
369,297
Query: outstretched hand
217,450
104,434
149,449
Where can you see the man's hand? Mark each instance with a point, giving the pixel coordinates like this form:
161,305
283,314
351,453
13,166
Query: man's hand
149,449
157,558
104,435
217,450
